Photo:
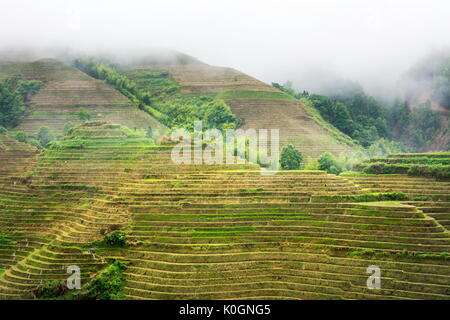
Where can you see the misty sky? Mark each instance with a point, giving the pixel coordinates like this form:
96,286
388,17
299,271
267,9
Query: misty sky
369,41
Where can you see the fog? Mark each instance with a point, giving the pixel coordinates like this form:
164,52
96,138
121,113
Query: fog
372,42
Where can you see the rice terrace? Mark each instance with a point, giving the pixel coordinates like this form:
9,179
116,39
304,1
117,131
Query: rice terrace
164,177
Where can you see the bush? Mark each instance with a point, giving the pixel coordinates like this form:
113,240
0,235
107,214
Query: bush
311,164
116,239
384,168
67,129
83,115
436,171
35,143
329,163
291,158
365,197
45,136
21,137
50,290
107,285
3,130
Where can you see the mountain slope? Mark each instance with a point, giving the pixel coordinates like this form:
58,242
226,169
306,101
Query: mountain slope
260,106
66,90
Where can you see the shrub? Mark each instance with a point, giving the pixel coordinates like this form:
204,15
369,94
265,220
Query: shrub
116,239
436,170
291,158
35,143
365,197
45,136
50,290
329,163
83,115
107,285
311,164
21,136
3,130
384,168
68,127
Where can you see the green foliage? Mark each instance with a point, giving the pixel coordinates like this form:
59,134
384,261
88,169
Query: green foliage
291,158
352,111
83,115
385,168
316,116
116,239
214,114
415,128
3,130
432,165
21,136
68,126
334,112
436,171
51,290
111,76
155,93
35,143
30,87
152,85
12,107
367,121
311,164
45,136
366,197
328,162
107,285
383,147
13,93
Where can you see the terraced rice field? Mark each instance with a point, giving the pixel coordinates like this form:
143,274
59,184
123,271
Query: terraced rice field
209,231
420,164
260,106
431,196
66,90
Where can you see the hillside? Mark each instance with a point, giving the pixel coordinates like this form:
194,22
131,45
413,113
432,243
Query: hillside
259,105
427,83
65,91
208,232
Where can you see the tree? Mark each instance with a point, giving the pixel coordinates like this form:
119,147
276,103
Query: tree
328,163
30,87
342,119
83,115
12,107
217,114
45,136
21,136
291,158
67,126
